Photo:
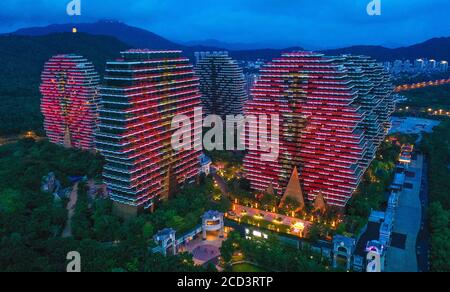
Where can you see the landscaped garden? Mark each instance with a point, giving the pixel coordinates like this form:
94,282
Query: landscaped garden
269,255
371,195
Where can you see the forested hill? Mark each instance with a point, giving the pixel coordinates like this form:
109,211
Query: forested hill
23,57
437,48
22,60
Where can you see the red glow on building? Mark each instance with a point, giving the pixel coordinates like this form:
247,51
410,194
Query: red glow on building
322,130
69,101
143,92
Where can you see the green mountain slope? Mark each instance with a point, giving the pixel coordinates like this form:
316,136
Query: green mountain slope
23,58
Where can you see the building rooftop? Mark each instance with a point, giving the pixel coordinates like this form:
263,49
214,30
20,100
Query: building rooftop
212,215
372,234
348,241
205,160
375,246
165,233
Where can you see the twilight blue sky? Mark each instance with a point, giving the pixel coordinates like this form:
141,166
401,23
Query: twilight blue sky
275,23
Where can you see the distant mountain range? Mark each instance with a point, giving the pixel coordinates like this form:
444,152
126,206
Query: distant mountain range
438,48
233,46
225,45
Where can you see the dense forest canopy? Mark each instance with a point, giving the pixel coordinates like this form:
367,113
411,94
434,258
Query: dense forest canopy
32,221
437,147
436,98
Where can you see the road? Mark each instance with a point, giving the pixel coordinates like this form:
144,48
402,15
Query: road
15,139
220,182
408,87
408,221
70,211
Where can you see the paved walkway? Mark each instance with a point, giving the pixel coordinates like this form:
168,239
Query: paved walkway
408,221
205,251
71,210
17,138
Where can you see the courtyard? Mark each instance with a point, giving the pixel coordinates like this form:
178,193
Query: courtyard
206,251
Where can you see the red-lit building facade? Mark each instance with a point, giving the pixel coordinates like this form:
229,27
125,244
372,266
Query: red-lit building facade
322,126
69,101
143,91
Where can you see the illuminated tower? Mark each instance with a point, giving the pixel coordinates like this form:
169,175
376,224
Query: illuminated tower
70,101
143,91
321,130
222,84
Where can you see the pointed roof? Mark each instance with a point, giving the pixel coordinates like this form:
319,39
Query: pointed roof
294,190
320,204
67,138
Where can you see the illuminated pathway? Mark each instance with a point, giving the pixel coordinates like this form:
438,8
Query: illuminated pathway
15,139
408,87
70,211
271,217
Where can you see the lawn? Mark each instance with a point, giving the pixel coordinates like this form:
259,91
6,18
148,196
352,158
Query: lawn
247,268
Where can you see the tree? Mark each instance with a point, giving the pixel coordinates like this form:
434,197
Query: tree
31,222
81,223
245,184
148,231
269,201
106,227
314,233
176,222
10,201
437,148
291,205
440,242
274,255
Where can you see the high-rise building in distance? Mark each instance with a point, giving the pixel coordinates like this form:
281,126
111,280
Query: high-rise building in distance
325,106
222,84
70,101
250,80
143,91
443,66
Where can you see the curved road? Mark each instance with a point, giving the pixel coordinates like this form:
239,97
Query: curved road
410,221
